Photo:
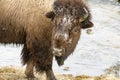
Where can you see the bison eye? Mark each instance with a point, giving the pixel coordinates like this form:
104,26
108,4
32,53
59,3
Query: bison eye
76,30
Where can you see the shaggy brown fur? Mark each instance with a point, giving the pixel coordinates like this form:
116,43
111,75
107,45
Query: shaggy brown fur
78,5
70,5
24,22
75,8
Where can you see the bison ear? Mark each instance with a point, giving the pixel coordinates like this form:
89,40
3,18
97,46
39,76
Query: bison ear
50,15
87,24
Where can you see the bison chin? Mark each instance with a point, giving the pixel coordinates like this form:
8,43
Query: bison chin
60,59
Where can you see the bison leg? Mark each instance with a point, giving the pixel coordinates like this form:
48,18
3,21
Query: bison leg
50,75
27,59
29,70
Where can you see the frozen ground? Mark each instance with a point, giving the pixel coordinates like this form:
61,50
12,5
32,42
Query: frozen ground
94,53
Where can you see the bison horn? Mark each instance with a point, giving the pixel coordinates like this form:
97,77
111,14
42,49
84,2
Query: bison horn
85,16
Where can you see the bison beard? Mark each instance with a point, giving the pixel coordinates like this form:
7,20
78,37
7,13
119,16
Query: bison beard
59,60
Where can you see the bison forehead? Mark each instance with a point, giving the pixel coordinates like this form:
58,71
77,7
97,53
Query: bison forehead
66,21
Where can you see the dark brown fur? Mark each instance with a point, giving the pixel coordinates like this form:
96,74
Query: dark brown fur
75,8
24,22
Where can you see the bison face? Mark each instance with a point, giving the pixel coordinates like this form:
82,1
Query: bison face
66,33
66,30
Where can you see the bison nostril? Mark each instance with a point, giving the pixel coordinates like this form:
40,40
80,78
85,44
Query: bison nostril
63,50
58,52
69,41
57,49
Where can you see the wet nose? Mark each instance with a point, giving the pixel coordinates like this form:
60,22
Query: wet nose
58,52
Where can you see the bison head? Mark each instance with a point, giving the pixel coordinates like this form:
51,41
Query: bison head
68,22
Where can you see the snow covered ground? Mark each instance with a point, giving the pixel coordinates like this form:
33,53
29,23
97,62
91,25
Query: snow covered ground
94,53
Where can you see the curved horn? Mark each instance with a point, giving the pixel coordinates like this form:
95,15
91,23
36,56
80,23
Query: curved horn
85,15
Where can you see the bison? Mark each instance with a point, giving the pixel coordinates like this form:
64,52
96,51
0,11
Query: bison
46,28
